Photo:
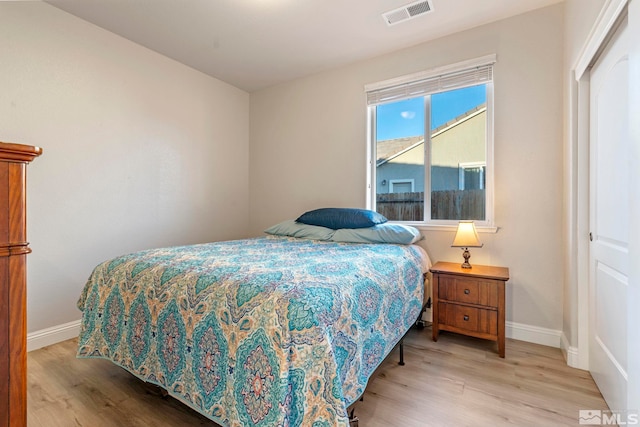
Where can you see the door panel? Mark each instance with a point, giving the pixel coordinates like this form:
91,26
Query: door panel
612,289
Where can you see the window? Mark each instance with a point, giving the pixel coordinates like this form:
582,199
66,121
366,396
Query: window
401,185
431,145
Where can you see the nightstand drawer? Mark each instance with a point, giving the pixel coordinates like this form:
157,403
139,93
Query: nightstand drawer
468,318
468,290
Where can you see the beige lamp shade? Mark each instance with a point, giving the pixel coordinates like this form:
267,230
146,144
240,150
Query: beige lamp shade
466,236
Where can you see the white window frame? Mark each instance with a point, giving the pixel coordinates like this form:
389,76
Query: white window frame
402,181
434,81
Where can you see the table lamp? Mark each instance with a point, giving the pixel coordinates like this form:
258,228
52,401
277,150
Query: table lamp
466,237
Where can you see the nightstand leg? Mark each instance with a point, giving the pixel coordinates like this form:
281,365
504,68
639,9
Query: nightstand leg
434,308
501,339
501,319
434,324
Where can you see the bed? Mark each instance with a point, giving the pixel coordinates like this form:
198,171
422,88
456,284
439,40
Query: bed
274,330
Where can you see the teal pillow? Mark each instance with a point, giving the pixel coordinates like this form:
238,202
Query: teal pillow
337,218
304,231
381,233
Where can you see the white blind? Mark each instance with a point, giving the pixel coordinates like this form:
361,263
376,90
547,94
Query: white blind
456,76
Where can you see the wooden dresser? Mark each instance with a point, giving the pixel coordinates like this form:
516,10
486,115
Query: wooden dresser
13,251
470,301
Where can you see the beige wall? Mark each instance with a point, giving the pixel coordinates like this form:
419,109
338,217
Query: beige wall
308,150
139,151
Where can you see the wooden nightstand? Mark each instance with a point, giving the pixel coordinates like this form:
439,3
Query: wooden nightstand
469,301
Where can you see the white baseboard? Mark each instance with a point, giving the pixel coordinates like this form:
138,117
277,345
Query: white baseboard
570,353
534,334
53,335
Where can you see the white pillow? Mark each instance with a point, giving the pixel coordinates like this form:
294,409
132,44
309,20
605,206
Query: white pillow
381,233
297,229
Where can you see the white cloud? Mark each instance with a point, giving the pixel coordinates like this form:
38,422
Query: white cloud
408,114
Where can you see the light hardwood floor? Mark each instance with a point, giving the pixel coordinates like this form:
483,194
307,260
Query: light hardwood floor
457,381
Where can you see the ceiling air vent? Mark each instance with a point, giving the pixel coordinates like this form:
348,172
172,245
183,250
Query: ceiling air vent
407,12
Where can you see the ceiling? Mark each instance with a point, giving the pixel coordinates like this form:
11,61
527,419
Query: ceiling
253,44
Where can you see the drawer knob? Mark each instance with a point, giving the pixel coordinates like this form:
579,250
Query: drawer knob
467,291
466,317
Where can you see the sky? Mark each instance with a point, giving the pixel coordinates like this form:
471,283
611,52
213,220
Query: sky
406,118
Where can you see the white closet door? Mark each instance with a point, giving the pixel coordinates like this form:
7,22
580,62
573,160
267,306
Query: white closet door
609,217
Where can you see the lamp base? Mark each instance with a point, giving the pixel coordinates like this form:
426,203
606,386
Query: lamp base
466,255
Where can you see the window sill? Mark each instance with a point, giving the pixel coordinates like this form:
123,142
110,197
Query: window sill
441,227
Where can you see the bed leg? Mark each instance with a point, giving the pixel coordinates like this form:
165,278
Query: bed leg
401,362
353,420
157,390
420,323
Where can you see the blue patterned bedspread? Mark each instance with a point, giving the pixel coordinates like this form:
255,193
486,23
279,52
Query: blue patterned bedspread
271,331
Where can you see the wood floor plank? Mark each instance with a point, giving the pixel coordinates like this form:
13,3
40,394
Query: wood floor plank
457,381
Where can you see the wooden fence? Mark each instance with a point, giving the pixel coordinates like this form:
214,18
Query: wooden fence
453,204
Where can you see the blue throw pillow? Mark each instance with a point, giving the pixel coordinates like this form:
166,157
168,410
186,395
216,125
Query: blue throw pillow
337,218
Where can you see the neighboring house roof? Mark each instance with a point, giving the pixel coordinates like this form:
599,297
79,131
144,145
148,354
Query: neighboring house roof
460,119
392,148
